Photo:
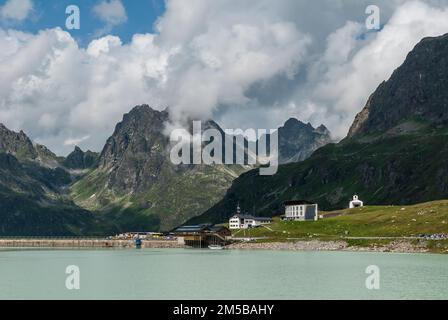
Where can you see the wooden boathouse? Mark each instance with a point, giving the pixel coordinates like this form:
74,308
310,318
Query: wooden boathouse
201,236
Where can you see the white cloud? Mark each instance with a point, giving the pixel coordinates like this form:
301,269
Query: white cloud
75,141
112,12
245,65
17,10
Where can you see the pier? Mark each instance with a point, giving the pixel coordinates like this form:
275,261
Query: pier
201,236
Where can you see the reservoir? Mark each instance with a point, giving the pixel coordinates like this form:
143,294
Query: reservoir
219,274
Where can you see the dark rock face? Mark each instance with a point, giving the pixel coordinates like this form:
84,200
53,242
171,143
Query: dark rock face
17,144
405,168
44,152
137,150
416,91
79,159
297,141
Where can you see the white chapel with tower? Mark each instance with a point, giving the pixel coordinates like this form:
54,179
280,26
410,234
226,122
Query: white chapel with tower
356,203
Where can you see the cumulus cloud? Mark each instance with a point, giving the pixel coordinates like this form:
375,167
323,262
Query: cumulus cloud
111,12
17,10
245,65
75,141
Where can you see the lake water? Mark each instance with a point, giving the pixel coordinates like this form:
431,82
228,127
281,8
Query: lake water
225,274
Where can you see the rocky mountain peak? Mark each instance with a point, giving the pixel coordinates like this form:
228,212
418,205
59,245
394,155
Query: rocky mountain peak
295,124
323,130
145,112
136,151
19,145
415,93
292,122
79,159
297,140
16,143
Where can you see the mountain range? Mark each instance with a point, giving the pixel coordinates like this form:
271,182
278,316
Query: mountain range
394,153
130,186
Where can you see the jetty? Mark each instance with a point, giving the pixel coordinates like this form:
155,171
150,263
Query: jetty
202,236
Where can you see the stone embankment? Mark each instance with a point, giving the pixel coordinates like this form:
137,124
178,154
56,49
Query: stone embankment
316,245
85,243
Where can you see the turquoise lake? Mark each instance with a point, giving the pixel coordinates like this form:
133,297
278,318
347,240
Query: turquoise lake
225,274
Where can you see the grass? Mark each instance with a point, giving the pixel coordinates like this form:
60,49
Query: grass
372,222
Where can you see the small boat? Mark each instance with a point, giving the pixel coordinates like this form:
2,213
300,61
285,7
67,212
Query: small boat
215,247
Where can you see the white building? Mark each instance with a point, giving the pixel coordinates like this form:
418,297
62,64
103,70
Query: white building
242,221
236,222
356,203
300,211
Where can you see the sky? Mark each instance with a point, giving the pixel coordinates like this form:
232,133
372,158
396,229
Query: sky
138,17
244,63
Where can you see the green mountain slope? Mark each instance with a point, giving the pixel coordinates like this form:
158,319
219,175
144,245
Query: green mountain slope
398,170
395,154
32,201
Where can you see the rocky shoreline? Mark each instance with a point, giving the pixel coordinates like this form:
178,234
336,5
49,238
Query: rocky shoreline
399,246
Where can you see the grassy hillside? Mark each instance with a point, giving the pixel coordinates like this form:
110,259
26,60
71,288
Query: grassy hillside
24,216
370,221
33,202
170,201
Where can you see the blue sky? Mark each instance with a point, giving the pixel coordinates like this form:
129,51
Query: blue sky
141,15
